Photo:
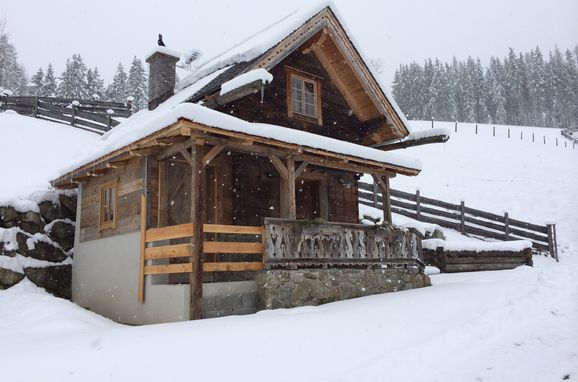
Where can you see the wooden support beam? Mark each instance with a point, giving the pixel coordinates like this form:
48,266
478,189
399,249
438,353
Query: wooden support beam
167,141
197,220
324,199
412,143
143,151
279,166
290,189
173,150
383,183
212,154
141,264
187,157
300,169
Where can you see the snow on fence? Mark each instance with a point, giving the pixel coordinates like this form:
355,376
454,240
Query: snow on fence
95,116
463,219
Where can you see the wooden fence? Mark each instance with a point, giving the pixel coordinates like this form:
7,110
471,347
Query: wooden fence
463,219
569,134
95,116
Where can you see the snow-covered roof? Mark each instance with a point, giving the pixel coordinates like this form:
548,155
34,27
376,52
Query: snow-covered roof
261,42
145,123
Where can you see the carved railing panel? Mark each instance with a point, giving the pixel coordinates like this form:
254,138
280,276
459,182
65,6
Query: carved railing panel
295,240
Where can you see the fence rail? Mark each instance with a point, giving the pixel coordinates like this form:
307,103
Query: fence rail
569,134
95,116
464,219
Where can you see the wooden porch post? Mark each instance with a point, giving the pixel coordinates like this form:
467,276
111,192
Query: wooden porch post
197,219
290,192
383,183
287,173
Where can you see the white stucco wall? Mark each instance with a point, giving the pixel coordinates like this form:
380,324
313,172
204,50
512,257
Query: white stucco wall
105,280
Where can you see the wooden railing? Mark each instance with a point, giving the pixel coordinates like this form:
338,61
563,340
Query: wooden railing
301,243
95,116
184,250
463,219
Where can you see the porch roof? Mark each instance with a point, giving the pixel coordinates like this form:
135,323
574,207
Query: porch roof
146,124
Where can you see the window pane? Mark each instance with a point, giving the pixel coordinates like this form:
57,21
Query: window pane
309,88
310,110
297,106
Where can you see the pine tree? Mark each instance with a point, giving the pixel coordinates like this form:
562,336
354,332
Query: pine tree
37,80
94,84
12,74
73,80
117,90
137,86
49,86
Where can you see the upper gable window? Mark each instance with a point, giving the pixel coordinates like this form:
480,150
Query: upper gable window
303,95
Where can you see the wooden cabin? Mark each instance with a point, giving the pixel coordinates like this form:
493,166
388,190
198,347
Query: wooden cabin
238,191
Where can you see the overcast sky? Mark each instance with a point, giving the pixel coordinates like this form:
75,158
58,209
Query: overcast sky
106,32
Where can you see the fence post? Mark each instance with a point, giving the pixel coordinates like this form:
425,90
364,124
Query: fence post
556,142
375,189
494,131
521,135
552,245
506,226
456,126
74,103
544,139
508,132
476,129
417,203
533,137
432,123
35,115
463,216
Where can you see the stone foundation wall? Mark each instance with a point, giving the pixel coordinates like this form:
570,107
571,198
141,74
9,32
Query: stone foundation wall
301,287
38,243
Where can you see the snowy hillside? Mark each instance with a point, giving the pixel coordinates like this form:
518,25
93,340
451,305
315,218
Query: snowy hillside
32,152
533,181
517,325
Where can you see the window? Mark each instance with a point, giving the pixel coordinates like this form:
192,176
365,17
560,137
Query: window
108,210
303,95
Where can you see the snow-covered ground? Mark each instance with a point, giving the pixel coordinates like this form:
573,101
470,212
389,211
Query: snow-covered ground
33,151
518,325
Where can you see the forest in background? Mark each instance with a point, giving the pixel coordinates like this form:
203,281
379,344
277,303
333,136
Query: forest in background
77,81
520,89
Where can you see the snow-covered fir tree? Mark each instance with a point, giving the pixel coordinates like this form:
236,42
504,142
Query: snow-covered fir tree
137,85
117,90
521,89
94,85
12,74
73,79
49,85
37,83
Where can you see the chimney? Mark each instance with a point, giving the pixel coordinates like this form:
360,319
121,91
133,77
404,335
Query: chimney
162,75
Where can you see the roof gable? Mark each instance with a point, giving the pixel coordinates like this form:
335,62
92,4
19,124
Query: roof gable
323,34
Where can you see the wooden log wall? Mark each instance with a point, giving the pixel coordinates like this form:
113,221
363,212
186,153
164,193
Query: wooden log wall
130,185
338,120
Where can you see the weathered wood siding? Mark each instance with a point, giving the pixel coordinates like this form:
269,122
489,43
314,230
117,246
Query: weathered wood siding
256,192
130,187
338,120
